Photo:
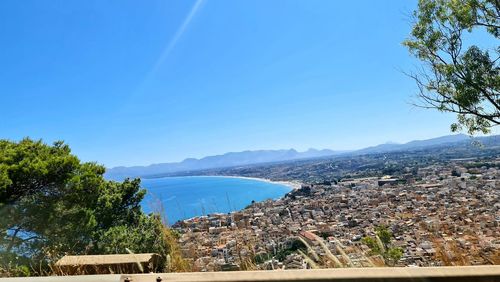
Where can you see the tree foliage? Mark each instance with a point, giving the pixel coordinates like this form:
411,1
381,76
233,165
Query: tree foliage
385,235
459,75
53,204
381,245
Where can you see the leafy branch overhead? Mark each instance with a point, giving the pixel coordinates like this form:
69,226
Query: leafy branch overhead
460,72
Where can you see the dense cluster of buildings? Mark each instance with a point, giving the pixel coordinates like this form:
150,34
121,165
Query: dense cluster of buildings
442,215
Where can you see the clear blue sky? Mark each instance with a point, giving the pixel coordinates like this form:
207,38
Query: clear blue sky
140,82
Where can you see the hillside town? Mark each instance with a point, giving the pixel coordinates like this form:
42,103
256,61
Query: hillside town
438,215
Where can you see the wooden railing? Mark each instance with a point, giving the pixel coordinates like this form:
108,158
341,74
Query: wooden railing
396,274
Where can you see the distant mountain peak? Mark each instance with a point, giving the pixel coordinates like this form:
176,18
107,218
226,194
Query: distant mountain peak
249,157
387,147
229,159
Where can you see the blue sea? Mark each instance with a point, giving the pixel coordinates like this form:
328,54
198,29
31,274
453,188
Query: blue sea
185,197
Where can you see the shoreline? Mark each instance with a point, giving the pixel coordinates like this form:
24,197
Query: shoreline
294,184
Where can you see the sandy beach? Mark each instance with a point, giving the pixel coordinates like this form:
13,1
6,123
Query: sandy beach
292,184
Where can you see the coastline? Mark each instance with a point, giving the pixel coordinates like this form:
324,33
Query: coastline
295,185
292,185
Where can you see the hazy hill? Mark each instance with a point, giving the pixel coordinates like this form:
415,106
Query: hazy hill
414,144
268,156
219,161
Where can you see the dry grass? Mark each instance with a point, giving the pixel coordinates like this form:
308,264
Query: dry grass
310,250
246,262
174,262
330,260
308,260
336,262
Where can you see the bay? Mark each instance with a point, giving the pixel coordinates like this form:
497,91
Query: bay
179,198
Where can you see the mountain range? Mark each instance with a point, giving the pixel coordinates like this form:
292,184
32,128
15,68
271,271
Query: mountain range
266,156
218,161
389,147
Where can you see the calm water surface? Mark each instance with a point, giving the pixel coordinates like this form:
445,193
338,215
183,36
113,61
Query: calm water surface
185,197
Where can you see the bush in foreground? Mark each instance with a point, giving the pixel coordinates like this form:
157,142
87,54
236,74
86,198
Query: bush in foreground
52,204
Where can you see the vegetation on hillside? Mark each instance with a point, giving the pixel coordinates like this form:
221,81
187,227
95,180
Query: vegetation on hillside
52,204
